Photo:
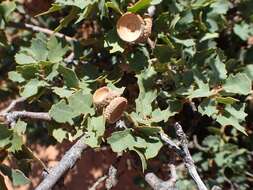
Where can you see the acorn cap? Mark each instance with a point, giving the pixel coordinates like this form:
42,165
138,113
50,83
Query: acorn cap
103,96
100,95
114,110
130,27
147,28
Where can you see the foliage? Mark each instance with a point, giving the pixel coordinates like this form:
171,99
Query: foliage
202,56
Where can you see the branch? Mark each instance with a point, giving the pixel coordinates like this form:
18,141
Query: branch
13,105
100,180
111,179
158,184
187,158
13,116
66,163
40,29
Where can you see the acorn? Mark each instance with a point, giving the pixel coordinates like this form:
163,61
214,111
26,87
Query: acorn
115,109
103,96
132,28
147,28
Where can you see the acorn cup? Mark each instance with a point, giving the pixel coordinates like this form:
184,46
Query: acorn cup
109,103
103,96
132,28
115,109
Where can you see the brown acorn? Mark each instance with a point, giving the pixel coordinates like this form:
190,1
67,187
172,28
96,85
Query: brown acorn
133,28
103,96
147,28
114,110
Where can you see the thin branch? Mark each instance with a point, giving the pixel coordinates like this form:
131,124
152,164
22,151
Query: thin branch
13,116
66,163
151,43
112,180
12,105
40,29
100,180
197,145
158,184
187,158
172,145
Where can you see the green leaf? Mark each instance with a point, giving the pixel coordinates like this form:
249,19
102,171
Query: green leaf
16,176
95,130
226,100
202,91
209,36
67,19
243,30
153,144
208,107
121,140
15,77
22,58
201,3
55,7
32,88
16,143
225,120
163,53
59,134
78,3
114,6
10,139
56,51
91,139
6,8
20,127
143,103
148,130
186,43
162,115
62,92
139,5
97,125
146,96
220,6
238,84
138,60
143,159
219,71
5,135
62,113
248,70
69,77
237,111
113,42
39,47
81,103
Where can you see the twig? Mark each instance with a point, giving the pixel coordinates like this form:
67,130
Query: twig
188,161
100,180
216,188
151,43
158,184
40,29
197,145
172,145
66,163
13,116
112,180
12,105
